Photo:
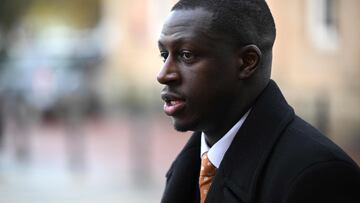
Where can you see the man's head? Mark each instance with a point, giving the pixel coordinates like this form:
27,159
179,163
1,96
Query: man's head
244,21
217,59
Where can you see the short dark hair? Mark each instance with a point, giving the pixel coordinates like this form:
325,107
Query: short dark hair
246,21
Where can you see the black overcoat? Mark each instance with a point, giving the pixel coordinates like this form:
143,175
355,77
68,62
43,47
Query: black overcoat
275,157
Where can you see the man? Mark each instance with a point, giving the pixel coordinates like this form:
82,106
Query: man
248,145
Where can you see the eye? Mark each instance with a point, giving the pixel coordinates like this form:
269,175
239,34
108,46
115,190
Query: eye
164,55
187,56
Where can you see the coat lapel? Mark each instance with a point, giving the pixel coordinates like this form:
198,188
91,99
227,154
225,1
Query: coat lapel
238,175
182,177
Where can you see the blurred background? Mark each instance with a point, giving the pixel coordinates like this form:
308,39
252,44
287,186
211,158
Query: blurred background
80,114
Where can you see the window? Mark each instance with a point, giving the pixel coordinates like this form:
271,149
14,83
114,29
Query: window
322,23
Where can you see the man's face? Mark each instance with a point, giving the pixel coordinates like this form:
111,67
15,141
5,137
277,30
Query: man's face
199,72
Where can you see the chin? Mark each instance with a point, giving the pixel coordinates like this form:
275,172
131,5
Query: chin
180,128
183,126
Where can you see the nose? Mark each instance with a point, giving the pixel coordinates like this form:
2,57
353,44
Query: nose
169,73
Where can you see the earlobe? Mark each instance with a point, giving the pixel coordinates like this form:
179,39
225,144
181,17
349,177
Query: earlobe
249,59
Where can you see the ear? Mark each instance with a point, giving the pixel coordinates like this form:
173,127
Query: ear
249,59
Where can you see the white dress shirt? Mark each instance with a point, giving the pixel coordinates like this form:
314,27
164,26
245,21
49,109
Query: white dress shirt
217,151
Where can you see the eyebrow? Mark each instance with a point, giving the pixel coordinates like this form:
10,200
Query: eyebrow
176,41
160,44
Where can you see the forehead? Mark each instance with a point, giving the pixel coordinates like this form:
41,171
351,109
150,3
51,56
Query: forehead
181,20
187,24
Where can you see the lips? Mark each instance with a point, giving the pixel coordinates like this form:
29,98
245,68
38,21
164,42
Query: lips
174,103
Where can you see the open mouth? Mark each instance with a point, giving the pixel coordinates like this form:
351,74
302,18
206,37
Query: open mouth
173,104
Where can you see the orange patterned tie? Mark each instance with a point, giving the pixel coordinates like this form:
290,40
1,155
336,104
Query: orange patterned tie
207,173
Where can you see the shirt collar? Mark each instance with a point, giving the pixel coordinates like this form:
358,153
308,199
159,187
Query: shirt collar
217,151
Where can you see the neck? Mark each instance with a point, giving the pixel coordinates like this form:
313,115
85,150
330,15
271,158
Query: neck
237,111
214,135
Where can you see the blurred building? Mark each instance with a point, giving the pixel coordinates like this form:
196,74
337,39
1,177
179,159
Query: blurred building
317,63
316,58
133,58
72,57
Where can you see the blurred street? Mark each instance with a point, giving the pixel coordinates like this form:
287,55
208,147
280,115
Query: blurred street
103,173
80,108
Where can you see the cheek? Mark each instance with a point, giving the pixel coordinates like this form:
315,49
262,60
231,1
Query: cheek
208,82
205,94
203,75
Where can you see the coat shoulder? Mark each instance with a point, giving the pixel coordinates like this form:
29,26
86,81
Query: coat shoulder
305,162
307,145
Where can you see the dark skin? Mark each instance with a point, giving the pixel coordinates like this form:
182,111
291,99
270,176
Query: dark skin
209,82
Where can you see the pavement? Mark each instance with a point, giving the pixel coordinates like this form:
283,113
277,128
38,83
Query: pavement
98,160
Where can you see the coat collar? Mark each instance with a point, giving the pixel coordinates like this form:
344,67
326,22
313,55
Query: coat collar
182,177
245,159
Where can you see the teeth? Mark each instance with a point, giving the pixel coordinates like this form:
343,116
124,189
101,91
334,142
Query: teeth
173,102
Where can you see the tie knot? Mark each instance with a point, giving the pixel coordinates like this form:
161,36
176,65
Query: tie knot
207,168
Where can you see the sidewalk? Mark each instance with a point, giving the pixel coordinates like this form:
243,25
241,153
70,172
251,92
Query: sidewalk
93,165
